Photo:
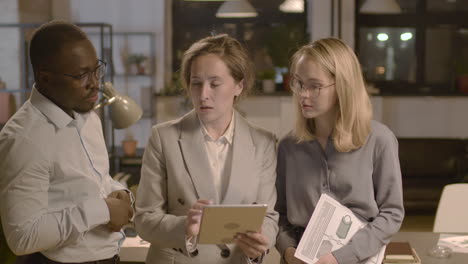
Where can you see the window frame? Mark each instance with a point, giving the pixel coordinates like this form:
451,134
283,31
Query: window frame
265,19
421,20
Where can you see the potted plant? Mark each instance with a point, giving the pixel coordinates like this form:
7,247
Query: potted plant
268,80
138,60
129,145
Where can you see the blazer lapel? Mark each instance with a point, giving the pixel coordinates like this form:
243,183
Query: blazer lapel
196,161
243,154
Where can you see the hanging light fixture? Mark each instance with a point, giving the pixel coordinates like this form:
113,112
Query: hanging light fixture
236,8
380,7
292,6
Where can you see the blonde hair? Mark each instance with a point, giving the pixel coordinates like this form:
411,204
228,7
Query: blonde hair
231,51
354,109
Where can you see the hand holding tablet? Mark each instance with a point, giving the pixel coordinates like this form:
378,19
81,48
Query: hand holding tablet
192,224
220,223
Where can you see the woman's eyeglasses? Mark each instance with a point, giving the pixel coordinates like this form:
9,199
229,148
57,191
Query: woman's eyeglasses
311,88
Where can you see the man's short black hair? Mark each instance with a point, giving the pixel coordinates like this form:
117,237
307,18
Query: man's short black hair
49,38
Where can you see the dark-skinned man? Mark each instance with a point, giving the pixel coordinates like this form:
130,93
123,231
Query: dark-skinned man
58,203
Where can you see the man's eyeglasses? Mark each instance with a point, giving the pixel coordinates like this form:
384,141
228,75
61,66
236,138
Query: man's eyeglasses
312,89
84,78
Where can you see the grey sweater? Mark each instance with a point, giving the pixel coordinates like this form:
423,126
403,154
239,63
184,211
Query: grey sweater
366,180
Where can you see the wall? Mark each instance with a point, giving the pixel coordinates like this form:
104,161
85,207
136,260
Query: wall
128,16
434,116
37,11
412,116
141,15
319,20
431,117
9,45
424,116
13,12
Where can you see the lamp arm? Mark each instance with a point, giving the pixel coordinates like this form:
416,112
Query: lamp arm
104,101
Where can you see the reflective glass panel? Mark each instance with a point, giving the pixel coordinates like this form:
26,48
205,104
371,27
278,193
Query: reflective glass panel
388,54
447,5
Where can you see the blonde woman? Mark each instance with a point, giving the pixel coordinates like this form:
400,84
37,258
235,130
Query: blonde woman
211,155
336,148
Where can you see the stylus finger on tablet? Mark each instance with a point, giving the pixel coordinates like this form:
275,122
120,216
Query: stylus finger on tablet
201,203
194,212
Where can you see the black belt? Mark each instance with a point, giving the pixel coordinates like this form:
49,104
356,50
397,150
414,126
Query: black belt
38,258
298,232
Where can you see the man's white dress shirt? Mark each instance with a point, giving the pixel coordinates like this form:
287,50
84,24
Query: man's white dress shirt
54,176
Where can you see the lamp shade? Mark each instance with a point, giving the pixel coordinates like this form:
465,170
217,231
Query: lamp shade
124,111
292,6
380,7
236,8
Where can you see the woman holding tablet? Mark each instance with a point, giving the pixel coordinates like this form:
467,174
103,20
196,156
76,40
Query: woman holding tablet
212,155
336,149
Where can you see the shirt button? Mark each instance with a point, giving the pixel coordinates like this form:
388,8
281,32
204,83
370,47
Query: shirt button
225,253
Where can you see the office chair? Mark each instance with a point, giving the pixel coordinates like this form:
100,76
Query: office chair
452,211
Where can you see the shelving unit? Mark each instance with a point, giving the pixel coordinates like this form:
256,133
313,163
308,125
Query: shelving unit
103,38
139,86
27,77
127,79
103,47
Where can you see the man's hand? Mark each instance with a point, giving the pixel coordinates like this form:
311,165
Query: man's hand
120,212
192,223
289,256
327,259
121,195
253,244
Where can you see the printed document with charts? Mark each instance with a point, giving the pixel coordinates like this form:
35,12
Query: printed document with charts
331,226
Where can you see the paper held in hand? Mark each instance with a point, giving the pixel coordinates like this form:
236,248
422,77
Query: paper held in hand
331,226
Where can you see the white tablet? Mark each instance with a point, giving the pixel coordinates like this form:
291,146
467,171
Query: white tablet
220,223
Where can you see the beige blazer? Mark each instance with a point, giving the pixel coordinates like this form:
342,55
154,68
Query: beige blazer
176,173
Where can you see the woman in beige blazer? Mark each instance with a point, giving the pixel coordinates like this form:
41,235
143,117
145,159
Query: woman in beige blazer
212,155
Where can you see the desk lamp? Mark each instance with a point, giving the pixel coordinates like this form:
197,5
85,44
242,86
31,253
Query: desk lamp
124,111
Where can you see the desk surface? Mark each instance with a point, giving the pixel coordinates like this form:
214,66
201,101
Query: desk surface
422,242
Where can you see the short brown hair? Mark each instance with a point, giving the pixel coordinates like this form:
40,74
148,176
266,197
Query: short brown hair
230,50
